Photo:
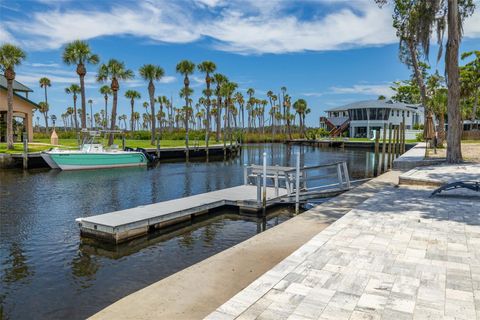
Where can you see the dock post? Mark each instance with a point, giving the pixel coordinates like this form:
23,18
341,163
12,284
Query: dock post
264,204
259,189
158,145
297,185
123,141
25,151
276,181
345,172
397,135
382,165
389,162
377,153
245,174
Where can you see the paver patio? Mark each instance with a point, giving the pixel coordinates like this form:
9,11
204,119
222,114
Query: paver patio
398,255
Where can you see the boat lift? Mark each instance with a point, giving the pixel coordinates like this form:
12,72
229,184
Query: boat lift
294,180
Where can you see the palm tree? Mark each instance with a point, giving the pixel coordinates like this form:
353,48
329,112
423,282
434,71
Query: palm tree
301,108
10,57
44,83
43,108
227,90
186,68
114,70
207,67
151,73
132,95
79,53
162,101
70,112
219,79
284,114
74,90
106,91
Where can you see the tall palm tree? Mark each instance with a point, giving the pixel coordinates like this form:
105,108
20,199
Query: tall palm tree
207,67
186,68
10,57
162,101
74,90
301,108
227,90
70,112
219,79
45,83
43,108
79,53
106,91
114,71
151,73
132,95
470,80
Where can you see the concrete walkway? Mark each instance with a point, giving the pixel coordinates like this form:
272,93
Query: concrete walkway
398,255
415,157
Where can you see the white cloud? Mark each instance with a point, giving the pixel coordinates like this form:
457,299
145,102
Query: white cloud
240,26
364,89
6,36
471,26
312,94
237,26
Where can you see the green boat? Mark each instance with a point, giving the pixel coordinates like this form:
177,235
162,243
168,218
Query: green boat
93,155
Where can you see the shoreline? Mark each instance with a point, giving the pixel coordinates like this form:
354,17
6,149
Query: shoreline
198,290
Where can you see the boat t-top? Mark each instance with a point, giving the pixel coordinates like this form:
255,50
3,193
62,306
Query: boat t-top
93,155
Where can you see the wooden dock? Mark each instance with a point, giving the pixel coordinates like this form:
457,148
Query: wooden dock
120,226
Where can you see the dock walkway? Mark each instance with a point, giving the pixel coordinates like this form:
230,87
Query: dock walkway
122,225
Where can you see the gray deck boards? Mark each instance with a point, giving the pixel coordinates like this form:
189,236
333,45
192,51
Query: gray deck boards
121,224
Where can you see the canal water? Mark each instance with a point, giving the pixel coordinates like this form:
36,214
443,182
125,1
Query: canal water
48,272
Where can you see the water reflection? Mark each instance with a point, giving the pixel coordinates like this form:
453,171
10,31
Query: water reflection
47,272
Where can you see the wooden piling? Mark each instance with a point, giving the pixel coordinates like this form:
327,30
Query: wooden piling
377,155
390,147
382,163
395,145
25,151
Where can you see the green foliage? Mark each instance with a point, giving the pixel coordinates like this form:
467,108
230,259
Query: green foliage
418,126
322,132
419,136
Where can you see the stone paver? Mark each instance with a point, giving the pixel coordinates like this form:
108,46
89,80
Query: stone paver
439,175
398,255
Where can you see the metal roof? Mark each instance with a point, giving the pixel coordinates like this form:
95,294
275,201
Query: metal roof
17,86
389,104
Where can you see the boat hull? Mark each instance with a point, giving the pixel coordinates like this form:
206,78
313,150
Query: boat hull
102,160
46,157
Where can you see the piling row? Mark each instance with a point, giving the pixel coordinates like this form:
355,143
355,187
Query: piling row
392,147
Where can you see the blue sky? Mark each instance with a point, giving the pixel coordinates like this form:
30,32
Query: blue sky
329,52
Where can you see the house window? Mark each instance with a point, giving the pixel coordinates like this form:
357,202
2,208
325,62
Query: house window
398,113
403,113
408,114
393,113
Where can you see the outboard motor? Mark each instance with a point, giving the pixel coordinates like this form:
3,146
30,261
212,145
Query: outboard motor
149,157
128,149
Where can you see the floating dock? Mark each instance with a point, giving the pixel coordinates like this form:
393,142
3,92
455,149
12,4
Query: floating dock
120,226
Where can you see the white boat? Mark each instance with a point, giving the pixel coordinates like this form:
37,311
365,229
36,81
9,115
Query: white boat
93,155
